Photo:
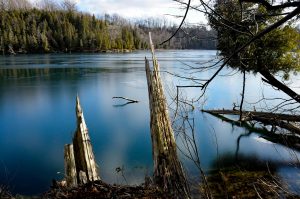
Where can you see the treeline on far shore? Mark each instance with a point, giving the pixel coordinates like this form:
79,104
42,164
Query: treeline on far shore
50,28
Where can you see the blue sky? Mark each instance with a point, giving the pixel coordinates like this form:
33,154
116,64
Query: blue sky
137,9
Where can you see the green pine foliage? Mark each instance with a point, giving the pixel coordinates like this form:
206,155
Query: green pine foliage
40,31
276,51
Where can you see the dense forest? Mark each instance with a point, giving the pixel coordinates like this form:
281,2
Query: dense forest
30,29
44,31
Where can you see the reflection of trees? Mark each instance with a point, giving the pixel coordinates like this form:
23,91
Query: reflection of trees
244,162
53,73
39,72
122,105
238,143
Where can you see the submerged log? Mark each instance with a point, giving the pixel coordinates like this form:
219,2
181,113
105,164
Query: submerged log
168,171
80,164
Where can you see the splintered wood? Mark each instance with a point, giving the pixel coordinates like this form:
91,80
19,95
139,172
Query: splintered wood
80,164
168,171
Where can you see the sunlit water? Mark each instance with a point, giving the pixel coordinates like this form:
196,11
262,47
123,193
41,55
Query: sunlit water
37,111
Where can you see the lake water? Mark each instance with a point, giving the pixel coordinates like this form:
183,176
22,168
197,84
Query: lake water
37,111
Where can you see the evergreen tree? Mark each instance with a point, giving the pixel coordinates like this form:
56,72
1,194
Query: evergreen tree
53,30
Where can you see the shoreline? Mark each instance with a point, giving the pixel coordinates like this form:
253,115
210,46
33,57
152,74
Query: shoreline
110,51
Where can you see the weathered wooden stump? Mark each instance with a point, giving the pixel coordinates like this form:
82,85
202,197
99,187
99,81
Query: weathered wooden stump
168,171
80,164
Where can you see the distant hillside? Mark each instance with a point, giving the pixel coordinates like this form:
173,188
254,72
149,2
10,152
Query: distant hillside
33,30
193,37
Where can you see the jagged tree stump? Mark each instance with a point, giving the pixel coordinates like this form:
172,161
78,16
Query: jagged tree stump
80,164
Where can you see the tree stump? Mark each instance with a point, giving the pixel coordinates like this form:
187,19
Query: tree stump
80,164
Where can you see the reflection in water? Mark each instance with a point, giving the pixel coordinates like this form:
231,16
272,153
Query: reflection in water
38,117
37,73
238,143
121,105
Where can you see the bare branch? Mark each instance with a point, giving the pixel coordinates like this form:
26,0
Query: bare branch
186,11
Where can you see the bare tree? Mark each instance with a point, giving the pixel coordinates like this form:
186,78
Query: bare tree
14,4
49,5
69,5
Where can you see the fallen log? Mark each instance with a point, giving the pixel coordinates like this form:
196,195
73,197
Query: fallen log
288,140
80,164
274,119
287,117
168,171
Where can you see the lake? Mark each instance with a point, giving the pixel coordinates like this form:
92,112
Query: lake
37,111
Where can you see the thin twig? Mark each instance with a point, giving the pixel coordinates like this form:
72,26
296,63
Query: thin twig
186,11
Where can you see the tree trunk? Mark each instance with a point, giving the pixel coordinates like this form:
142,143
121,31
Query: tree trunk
168,171
270,79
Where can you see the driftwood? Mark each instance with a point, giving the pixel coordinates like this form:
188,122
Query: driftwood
168,171
125,98
80,165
